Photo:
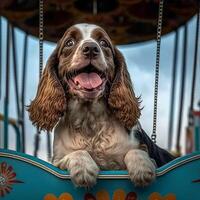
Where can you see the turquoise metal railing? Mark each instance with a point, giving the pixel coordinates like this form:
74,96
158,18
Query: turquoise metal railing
6,122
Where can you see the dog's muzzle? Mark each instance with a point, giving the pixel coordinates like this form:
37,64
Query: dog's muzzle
90,50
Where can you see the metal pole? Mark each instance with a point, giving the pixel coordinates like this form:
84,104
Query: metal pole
18,137
1,136
94,7
15,71
173,88
184,62
195,61
0,57
16,127
23,92
48,146
36,143
6,100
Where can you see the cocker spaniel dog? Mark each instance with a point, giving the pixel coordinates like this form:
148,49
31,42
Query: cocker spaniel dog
86,93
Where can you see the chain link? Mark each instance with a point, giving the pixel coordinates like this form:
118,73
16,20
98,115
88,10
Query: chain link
41,36
159,32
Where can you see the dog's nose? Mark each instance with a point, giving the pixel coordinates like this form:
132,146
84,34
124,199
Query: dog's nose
90,50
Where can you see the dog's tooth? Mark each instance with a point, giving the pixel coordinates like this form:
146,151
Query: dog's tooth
79,86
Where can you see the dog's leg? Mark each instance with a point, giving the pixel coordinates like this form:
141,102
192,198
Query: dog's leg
83,169
140,167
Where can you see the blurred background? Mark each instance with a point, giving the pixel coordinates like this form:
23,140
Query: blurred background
132,25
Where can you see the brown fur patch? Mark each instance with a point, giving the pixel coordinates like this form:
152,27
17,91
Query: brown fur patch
50,102
122,99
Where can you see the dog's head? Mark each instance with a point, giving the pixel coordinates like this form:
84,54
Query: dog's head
86,61
84,64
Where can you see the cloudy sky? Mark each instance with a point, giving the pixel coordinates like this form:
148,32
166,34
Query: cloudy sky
140,59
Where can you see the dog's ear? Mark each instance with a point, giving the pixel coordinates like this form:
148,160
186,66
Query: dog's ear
122,99
50,101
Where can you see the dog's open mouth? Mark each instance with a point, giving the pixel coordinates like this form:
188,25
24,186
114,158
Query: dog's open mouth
88,79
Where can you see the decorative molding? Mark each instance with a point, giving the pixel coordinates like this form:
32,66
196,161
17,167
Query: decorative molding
160,172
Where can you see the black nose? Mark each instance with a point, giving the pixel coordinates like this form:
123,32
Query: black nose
90,50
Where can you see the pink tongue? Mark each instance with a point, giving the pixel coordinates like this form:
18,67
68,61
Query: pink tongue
88,80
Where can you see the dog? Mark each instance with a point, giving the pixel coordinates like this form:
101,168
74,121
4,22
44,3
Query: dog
86,95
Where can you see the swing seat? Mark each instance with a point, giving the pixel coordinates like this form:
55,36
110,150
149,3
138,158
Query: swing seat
26,177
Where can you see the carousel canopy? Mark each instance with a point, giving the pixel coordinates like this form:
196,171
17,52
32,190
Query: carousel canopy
126,21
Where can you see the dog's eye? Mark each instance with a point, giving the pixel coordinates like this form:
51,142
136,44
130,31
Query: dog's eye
69,43
103,43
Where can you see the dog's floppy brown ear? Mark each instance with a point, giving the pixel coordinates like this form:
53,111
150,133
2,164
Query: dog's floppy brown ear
50,102
122,99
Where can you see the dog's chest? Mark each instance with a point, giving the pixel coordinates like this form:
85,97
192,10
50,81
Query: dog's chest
107,145
94,129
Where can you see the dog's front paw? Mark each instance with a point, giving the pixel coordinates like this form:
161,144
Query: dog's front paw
84,175
83,170
142,176
141,169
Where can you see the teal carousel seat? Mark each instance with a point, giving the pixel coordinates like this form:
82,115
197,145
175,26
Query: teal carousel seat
24,177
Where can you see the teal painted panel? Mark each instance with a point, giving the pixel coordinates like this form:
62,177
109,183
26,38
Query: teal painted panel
178,180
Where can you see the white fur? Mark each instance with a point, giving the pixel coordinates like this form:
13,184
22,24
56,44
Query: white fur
88,138
103,142
86,29
83,169
141,169
86,32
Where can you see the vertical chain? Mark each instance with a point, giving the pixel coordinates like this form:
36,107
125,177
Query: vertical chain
41,37
159,32
41,23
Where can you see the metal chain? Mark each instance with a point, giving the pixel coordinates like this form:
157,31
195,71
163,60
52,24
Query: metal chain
41,37
159,32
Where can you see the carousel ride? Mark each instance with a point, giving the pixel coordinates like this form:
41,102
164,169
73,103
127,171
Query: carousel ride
26,177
